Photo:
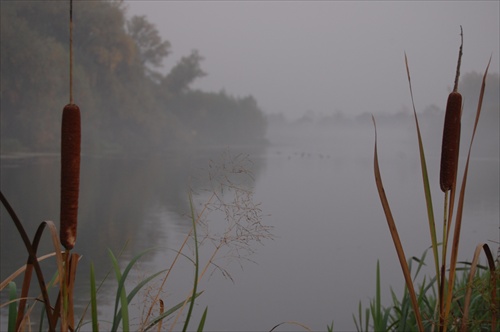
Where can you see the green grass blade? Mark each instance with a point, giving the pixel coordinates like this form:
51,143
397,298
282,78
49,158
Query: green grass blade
101,284
121,297
12,306
367,315
167,313
137,288
329,328
202,321
121,293
425,178
195,286
142,283
93,299
359,316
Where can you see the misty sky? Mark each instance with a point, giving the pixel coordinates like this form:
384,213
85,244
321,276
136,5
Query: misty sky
329,56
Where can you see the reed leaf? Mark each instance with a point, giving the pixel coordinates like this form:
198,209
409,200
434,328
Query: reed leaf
196,265
101,284
394,233
425,179
121,297
202,320
52,315
379,315
360,318
12,306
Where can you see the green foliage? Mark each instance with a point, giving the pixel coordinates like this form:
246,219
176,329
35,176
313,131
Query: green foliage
150,46
449,309
93,299
184,73
12,306
196,266
399,316
126,105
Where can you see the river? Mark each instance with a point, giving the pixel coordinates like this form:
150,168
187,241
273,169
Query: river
319,227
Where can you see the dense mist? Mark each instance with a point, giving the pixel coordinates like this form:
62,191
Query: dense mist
169,140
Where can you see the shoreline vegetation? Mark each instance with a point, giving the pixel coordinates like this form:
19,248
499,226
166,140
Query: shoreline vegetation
129,105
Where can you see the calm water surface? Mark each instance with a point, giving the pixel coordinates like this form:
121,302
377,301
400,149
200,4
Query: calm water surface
318,194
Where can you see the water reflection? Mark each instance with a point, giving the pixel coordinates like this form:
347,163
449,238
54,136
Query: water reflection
317,191
125,202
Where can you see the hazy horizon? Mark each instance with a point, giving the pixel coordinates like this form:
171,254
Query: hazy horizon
328,57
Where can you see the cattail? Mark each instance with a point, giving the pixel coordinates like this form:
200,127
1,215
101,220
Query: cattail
451,132
70,174
451,141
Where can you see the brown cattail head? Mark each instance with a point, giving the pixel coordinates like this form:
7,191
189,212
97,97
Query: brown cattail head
451,141
70,174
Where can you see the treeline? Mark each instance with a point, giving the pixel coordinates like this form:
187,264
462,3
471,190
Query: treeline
430,117
127,104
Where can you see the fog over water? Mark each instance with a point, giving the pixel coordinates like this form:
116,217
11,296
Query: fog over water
319,70
315,187
329,56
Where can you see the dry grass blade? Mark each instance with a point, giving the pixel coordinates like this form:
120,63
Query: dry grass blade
460,206
14,275
34,264
179,253
291,323
395,235
468,294
70,284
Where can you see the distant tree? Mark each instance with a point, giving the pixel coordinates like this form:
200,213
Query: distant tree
152,49
125,107
101,38
32,79
184,73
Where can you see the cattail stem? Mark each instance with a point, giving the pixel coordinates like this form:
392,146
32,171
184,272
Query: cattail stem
459,62
70,174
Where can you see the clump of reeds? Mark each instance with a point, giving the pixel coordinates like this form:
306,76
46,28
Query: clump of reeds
441,317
